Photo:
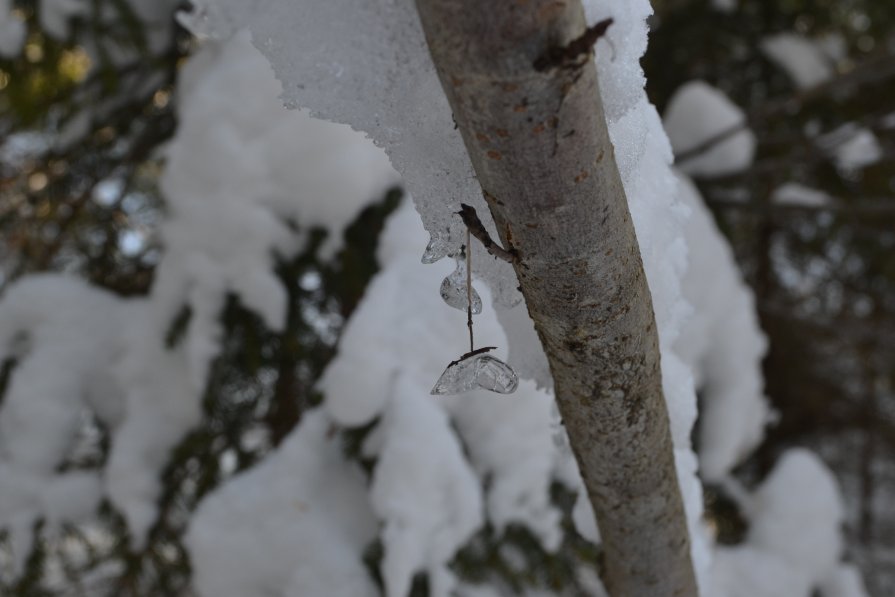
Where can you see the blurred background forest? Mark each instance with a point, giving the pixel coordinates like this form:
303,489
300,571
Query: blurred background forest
813,230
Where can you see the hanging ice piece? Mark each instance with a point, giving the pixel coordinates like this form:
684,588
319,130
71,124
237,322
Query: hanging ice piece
454,292
476,370
437,249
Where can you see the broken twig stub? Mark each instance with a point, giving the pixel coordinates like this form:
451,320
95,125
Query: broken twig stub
477,229
567,56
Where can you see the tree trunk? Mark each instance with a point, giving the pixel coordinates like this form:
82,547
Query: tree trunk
533,125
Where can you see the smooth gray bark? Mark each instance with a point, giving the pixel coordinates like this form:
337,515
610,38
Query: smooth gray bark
540,148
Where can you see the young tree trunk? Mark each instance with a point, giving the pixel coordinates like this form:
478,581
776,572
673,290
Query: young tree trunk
534,128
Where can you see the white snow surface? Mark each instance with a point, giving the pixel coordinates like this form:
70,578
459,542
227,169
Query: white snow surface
696,113
382,83
804,60
844,581
424,491
12,30
512,444
428,494
796,514
723,345
851,146
294,525
62,355
229,152
55,15
744,571
794,540
795,194
229,186
433,453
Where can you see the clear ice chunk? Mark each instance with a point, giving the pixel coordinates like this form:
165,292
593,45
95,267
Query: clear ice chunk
453,290
437,249
474,372
495,375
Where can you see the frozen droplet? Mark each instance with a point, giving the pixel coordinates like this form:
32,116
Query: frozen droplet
437,249
453,290
458,377
474,372
495,375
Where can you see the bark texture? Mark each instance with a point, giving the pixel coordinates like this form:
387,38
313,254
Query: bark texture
539,143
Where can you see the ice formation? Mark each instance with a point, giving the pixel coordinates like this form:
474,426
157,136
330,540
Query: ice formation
382,83
454,291
476,371
362,385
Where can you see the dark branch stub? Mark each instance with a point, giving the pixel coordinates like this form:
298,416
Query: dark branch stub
567,56
477,229
472,353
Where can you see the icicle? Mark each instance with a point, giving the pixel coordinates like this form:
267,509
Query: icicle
453,290
436,250
475,369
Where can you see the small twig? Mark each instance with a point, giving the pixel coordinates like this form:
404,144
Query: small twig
469,289
567,56
703,146
477,229
472,353
868,207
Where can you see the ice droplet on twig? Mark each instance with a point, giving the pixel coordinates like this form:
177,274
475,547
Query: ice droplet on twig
453,290
438,248
477,371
